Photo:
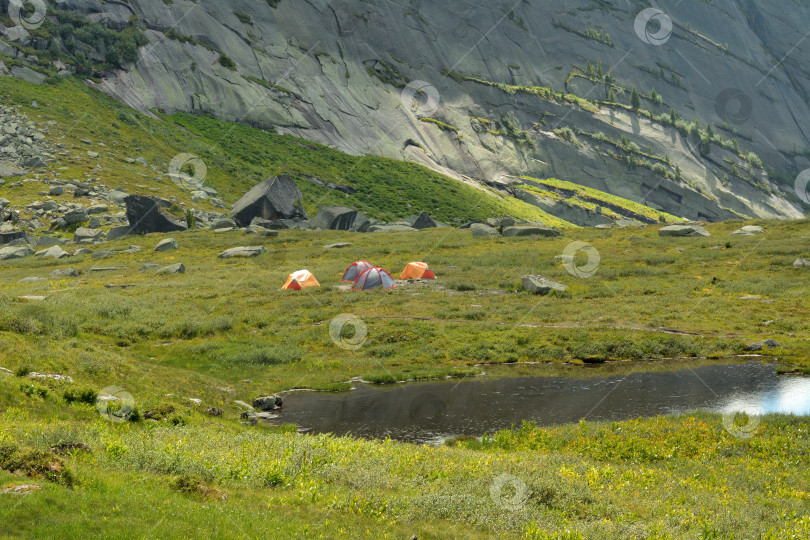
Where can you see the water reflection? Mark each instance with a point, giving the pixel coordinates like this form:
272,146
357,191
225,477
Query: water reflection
429,412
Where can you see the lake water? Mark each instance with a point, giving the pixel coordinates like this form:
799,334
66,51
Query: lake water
432,411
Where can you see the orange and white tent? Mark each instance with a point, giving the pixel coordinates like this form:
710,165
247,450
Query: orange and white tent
417,270
302,279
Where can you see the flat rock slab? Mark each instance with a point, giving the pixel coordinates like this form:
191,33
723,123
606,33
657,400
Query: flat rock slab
530,230
66,272
15,252
391,228
683,230
749,230
541,285
338,246
243,251
178,268
107,268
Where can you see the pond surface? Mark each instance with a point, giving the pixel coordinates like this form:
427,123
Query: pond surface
432,411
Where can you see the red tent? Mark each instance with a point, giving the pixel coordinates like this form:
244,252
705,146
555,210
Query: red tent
353,272
373,277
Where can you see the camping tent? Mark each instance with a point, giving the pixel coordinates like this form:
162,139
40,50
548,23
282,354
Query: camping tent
353,272
300,280
417,270
373,277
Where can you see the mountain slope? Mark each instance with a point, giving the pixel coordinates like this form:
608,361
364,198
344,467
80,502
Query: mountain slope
492,91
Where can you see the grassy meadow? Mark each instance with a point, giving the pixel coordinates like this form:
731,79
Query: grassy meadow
224,331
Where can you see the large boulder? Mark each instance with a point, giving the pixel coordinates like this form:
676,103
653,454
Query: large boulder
541,285
274,198
15,252
145,216
9,236
339,218
424,221
178,268
683,230
480,230
530,230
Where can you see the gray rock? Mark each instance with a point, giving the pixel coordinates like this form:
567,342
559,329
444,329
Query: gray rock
339,218
82,251
117,196
479,230
338,245
15,252
243,251
146,216
65,272
267,403
749,230
224,223
47,241
167,244
424,221
383,228
32,279
802,263
83,234
76,216
274,198
6,237
178,268
7,170
98,209
118,232
530,230
541,285
149,266
53,252
760,345
56,190
683,230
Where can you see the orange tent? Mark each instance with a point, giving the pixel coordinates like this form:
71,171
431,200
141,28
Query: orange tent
417,270
302,279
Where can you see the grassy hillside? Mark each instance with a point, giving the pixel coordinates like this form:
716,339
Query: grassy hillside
238,156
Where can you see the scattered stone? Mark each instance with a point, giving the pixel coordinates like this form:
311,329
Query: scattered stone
48,241
92,154
243,251
98,209
340,218
479,230
224,223
338,245
7,237
384,228
213,411
274,198
106,268
541,285
56,190
84,235
65,272
530,230
15,252
146,216
32,280
749,230
82,251
149,266
195,401
7,170
802,263
76,216
118,285
167,244
178,268
118,232
760,345
683,230
267,403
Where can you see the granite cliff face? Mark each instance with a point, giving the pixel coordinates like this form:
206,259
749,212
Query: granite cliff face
489,91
